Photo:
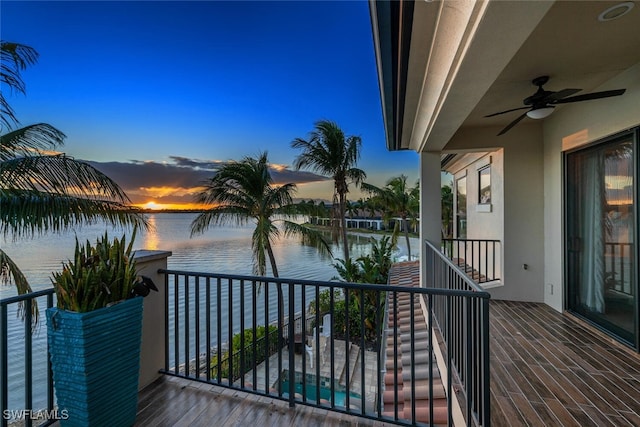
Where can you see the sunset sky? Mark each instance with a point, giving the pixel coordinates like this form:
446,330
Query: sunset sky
158,95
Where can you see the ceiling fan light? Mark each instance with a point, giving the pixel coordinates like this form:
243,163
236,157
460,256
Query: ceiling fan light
540,113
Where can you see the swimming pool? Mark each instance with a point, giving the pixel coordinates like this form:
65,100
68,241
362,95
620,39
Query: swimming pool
311,388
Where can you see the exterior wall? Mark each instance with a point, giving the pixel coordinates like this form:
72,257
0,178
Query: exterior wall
484,221
153,331
519,215
572,126
430,203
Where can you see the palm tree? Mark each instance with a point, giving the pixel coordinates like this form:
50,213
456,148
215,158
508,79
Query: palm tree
329,152
41,189
351,209
400,200
244,191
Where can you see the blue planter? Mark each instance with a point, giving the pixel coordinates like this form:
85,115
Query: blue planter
95,358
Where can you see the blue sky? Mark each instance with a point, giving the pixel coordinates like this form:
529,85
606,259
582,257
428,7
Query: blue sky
155,93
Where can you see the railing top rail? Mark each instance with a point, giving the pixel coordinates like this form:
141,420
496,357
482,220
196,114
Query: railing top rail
470,240
476,293
24,297
472,285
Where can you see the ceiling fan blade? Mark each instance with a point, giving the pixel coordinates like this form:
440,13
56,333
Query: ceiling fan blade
588,96
508,111
561,94
512,124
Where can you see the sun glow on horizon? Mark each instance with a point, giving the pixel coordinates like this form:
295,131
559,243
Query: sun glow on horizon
155,206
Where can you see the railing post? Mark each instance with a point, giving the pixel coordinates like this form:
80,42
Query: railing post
154,338
28,360
486,367
292,360
4,366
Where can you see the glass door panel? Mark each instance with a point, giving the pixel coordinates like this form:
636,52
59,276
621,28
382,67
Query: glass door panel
601,267
461,208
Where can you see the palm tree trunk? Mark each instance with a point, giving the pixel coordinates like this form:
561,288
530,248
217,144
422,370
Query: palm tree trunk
406,236
274,271
343,223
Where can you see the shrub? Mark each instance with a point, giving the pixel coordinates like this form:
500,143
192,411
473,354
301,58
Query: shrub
261,352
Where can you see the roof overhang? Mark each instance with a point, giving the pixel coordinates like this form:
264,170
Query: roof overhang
444,65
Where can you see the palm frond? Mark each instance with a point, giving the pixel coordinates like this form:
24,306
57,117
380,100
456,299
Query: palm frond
7,114
14,58
26,213
220,215
10,273
59,174
308,235
30,140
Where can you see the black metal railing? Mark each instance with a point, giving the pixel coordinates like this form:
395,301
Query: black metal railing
478,258
26,389
338,366
464,325
618,267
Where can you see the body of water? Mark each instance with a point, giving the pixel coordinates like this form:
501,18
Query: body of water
219,250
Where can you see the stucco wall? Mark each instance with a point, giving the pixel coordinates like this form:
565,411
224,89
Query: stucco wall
572,126
518,206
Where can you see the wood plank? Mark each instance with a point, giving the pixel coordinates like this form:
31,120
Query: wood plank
600,419
559,368
560,412
524,407
510,412
547,416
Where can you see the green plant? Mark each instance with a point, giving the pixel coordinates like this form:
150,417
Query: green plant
324,303
260,354
99,275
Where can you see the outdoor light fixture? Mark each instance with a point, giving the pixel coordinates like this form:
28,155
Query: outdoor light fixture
540,113
615,12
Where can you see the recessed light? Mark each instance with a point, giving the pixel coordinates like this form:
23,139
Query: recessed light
615,12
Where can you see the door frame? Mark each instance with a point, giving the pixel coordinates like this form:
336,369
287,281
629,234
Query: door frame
634,135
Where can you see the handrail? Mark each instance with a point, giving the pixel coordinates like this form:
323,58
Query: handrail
34,381
233,303
479,257
465,332
478,292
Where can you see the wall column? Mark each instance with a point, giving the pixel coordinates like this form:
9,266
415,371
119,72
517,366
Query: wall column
153,332
430,203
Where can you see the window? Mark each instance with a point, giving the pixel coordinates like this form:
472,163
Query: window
461,208
484,187
602,226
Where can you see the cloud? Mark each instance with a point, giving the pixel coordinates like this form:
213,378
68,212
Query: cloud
177,181
209,165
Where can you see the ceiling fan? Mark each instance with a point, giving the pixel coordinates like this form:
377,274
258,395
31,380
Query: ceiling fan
542,103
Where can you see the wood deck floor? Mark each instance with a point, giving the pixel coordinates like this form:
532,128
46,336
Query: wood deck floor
172,401
546,370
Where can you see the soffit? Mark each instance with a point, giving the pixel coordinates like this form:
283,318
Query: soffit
505,45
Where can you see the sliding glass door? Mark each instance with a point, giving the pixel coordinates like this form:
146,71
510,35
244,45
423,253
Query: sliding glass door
601,226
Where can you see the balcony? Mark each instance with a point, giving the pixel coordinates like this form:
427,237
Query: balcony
301,351
429,363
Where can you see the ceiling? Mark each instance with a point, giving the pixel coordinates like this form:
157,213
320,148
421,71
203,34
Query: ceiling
570,46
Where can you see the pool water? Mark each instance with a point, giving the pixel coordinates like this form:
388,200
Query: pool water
311,389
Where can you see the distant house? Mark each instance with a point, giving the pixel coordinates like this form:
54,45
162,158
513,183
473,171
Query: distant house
558,188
